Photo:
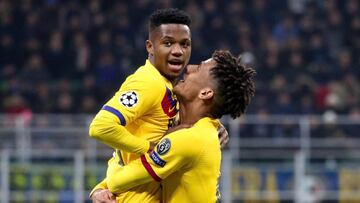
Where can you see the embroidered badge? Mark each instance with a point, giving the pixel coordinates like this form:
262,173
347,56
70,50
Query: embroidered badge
157,160
163,147
129,99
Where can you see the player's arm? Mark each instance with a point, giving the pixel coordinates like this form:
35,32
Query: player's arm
170,155
134,99
109,130
100,191
122,178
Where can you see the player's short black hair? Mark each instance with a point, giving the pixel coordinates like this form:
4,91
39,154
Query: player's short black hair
235,85
168,16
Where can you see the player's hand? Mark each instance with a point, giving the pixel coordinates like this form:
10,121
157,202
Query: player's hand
223,136
103,196
178,127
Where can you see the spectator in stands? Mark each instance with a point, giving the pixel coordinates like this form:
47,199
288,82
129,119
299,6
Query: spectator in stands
320,38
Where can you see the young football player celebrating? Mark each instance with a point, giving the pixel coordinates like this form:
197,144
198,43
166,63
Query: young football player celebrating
187,161
144,108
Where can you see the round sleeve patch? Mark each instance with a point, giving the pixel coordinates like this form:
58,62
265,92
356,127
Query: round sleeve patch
129,99
163,147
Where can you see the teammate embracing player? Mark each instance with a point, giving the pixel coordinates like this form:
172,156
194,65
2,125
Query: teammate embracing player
187,161
144,108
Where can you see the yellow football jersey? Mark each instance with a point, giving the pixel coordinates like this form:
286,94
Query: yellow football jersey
186,162
141,111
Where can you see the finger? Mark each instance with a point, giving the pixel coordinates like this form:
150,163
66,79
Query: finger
221,139
109,201
101,196
105,196
221,130
108,196
111,196
224,142
222,134
227,139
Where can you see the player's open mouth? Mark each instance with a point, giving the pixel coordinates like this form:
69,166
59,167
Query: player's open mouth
175,65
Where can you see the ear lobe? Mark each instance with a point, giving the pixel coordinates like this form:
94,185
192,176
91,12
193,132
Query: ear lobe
206,93
149,47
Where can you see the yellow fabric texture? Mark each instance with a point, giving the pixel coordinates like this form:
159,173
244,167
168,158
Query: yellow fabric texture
145,120
188,170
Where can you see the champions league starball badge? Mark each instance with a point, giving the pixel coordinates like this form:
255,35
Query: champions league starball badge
129,99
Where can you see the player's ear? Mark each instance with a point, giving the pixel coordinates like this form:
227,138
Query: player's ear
206,93
149,47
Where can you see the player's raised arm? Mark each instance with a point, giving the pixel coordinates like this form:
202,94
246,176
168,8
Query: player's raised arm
135,98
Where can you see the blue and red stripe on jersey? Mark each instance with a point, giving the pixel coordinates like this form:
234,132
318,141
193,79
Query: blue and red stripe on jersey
116,113
168,104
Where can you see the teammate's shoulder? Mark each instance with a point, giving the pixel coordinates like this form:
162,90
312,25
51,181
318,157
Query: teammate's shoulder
183,135
207,123
187,142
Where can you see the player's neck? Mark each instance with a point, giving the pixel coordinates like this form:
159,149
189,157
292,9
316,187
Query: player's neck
190,113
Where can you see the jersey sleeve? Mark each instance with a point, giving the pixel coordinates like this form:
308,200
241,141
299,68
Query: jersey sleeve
122,178
136,97
174,151
101,185
171,154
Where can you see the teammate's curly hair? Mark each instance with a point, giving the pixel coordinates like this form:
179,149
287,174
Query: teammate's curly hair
168,16
235,85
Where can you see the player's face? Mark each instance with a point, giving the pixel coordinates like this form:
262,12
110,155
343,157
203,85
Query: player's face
196,78
170,45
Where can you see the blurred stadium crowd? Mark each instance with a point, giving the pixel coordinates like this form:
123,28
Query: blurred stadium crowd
70,56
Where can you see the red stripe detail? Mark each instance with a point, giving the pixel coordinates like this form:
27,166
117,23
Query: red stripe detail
151,148
168,104
149,169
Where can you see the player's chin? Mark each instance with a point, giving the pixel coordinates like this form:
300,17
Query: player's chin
173,76
176,89
177,80
178,83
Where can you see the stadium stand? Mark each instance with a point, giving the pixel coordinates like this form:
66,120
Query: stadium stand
69,56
